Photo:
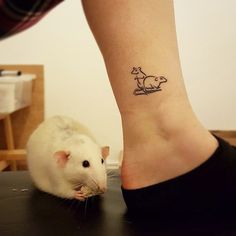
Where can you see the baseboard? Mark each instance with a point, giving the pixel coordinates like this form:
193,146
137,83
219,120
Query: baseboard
228,135
112,165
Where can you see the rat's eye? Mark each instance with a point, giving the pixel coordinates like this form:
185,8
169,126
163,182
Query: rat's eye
86,164
102,160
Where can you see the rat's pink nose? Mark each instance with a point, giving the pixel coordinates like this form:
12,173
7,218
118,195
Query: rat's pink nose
102,189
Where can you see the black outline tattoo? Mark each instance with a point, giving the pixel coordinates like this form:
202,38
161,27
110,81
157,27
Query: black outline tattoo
146,83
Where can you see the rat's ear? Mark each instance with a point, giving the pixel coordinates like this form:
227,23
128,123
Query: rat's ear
62,157
105,152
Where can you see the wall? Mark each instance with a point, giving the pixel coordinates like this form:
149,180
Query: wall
76,81
207,41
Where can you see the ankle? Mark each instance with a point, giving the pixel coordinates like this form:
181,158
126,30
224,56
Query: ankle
188,139
168,121
161,150
159,160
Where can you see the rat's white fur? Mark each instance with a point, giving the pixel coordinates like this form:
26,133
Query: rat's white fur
64,134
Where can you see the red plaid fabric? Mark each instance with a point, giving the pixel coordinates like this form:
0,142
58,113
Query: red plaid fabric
18,15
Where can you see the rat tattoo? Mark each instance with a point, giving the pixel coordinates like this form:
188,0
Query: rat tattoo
146,83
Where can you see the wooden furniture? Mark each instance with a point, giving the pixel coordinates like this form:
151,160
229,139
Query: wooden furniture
16,128
228,135
10,146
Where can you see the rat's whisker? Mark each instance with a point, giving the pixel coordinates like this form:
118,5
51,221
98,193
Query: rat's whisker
78,203
73,201
111,172
85,208
63,201
94,181
77,186
55,140
74,181
112,177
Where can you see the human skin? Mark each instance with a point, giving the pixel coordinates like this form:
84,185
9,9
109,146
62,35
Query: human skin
162,136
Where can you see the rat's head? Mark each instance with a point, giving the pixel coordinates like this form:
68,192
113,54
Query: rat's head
136,70
161,79
82,164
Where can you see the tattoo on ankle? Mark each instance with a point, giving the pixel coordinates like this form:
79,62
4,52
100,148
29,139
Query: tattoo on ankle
146,83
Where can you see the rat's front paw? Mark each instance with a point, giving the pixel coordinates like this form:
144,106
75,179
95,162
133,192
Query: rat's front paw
79,195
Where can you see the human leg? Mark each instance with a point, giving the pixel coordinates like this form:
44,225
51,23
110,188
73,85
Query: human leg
162,137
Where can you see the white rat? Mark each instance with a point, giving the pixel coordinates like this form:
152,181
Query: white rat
65,160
